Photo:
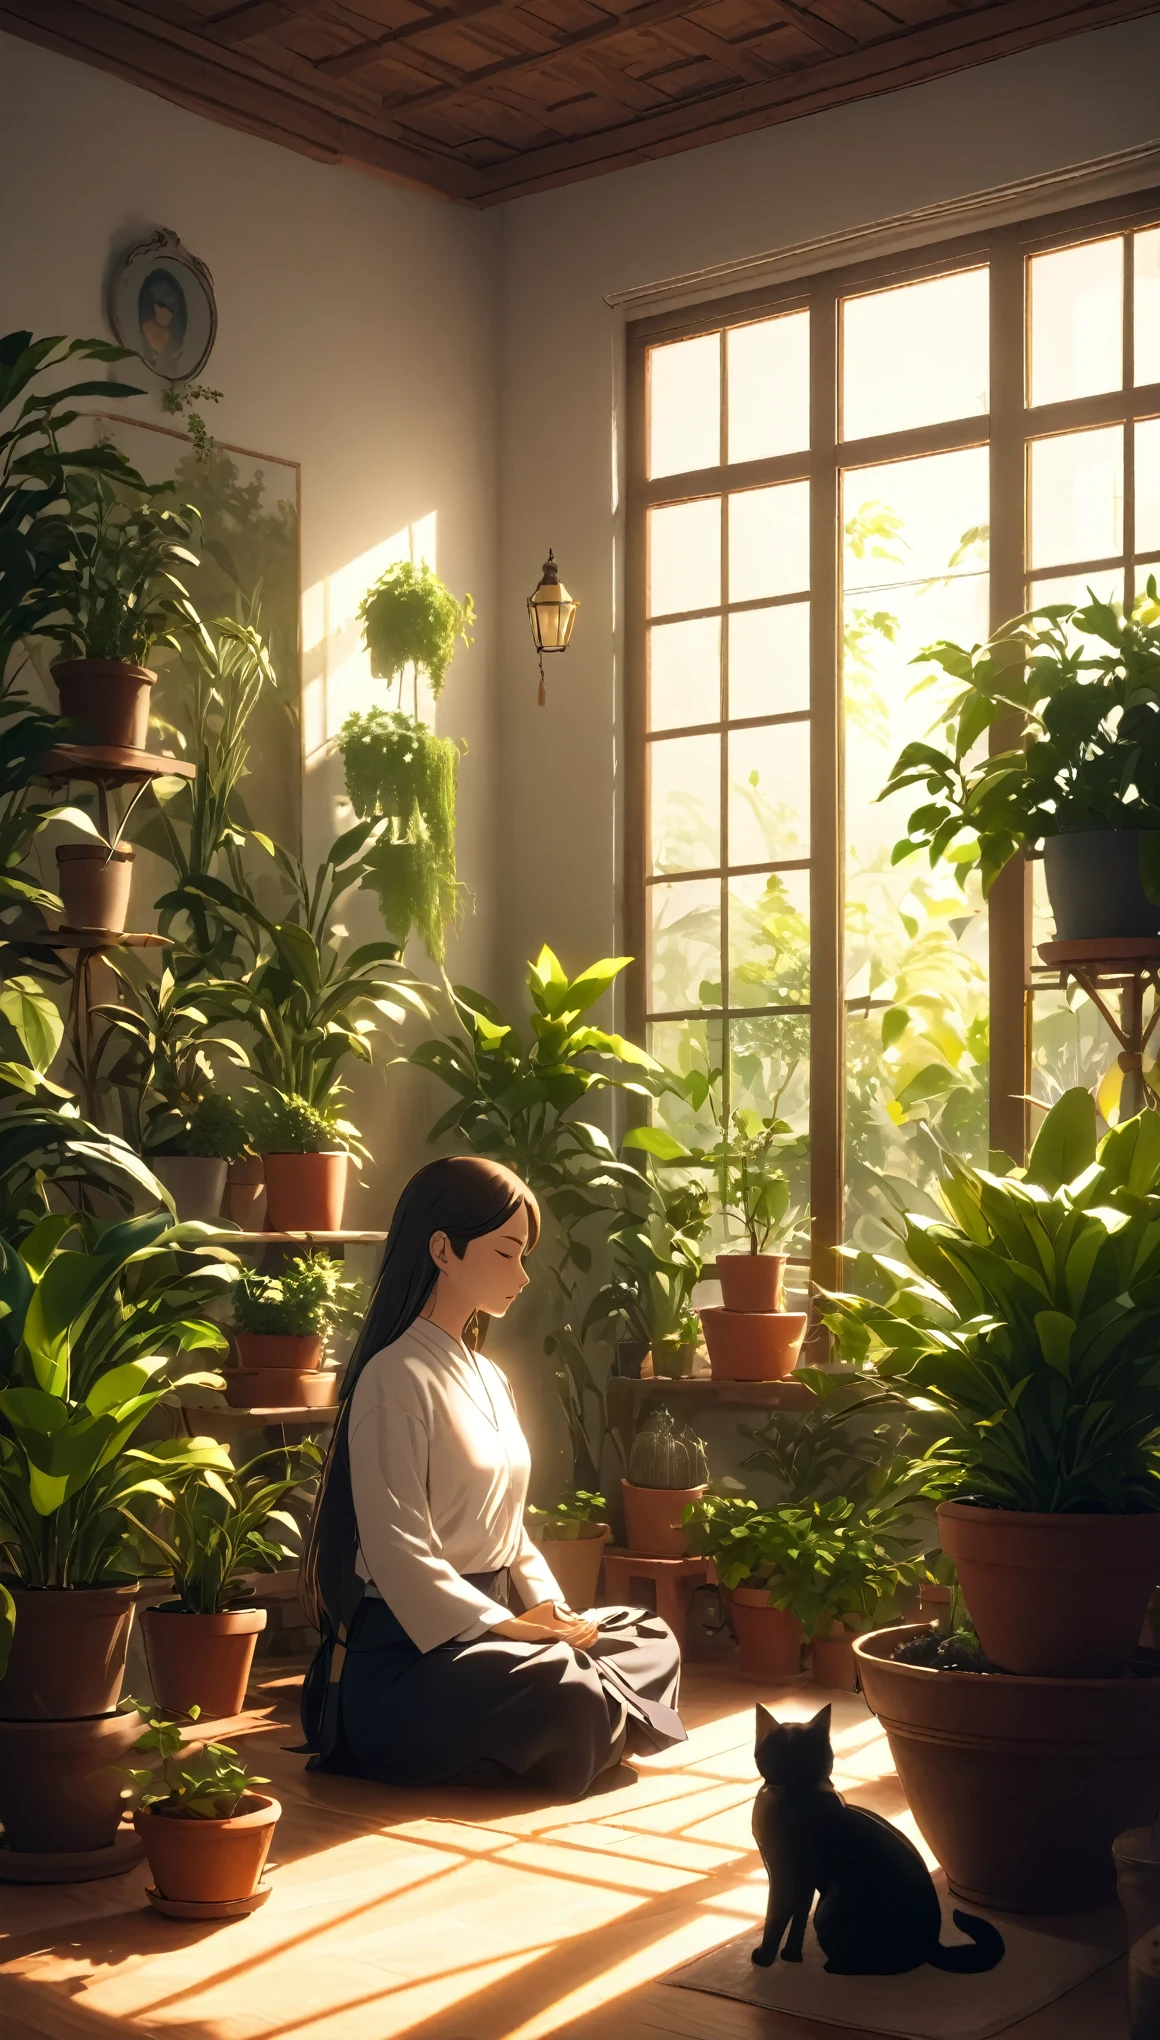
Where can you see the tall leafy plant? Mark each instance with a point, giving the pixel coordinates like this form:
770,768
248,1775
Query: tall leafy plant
118,590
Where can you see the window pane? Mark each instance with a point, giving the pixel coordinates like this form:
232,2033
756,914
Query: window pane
913,521
684,556
1077,322
770,1069
1148,485
769,939
1078,589
685,945
769,541
686,1045
685,803
769,794
1146,305
1077,496
684,673
769,387
684,392
769,661
916,355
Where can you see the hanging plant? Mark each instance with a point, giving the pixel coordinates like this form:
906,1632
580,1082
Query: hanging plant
400,773
410,619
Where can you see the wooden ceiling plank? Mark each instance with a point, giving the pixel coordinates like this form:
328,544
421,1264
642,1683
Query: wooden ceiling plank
734,56
821,32
948,45
254,17
359,55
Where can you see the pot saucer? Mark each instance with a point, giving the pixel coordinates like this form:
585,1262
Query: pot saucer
209,1908
71,1866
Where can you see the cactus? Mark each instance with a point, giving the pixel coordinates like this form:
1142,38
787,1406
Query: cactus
663,1457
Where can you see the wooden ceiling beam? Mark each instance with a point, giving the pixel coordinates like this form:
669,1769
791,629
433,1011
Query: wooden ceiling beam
345,62
743,63
821,32
254,17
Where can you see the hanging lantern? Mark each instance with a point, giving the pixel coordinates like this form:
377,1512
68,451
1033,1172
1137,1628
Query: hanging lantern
551,613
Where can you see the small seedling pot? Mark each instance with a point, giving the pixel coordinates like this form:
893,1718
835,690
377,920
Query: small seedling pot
94,884
208,1862
305,1193
196,1184
652,1519
574,1563
770,1638
277,1350
109,697
201,1661
752,1281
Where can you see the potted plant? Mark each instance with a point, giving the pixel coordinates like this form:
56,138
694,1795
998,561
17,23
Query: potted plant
206,1829
572,1535
667,1470
1027,1321
304,1163
756,1555
194,1158
115,595
89,1310
280,1324
1083,782
223,1524
657,1264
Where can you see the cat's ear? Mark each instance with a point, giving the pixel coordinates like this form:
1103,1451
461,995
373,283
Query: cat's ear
820,1725
766,1725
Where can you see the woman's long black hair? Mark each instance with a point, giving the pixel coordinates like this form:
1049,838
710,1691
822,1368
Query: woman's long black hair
464,1196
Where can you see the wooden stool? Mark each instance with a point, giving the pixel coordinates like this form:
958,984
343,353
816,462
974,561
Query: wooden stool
676,1581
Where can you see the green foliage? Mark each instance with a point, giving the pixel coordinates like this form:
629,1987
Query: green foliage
1090,759
193,1781
217,1527
49,1153
25,734
286,1125
410,619
517,1098
831,1449
578,1514
117,593
752,1190
307,1298
823,1561
657,1263
216,1128
95,1318
165,1072
1025,1316
400,774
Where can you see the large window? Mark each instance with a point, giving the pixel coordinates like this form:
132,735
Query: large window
824,482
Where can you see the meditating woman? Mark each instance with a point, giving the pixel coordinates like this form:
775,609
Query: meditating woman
448,1652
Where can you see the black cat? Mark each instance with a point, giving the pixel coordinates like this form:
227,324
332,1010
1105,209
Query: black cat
878,1911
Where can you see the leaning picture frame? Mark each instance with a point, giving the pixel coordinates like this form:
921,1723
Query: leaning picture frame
162,306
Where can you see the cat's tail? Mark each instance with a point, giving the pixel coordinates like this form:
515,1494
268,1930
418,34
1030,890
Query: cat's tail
987,1952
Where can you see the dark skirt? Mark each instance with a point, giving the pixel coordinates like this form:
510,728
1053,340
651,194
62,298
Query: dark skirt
539,1716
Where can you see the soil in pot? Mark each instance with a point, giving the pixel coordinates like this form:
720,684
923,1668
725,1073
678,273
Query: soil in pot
61,1782
1019,1785
196,1184
753,1345
652,1519
305,1193
300,1350
1094,885
752,1281
1054,1596
201,1660
770,1638
832,1660
574,1563
110,697
94,885
68,1652
208,1860
280,1388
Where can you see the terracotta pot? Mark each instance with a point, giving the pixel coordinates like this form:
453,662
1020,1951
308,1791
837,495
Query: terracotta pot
196,1184
280,1388
770,1638
61,1782
753,1345
673,1364
109,696
208,1861
201,1660
1054,1596
94,885
305,1193
245,1198
832,1660
752,1282
1018,1785
574,1563
68,1652
278,1350
652,1518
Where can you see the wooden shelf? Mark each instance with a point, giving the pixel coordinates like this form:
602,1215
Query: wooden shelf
703,1389
1114,952
92,939
298,1239
109,764
296,1413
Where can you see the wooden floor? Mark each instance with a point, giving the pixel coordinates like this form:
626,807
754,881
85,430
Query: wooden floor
457,1916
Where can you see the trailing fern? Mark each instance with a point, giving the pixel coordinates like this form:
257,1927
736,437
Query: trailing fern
400,773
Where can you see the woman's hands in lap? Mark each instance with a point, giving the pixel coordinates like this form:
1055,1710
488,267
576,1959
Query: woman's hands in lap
549,1623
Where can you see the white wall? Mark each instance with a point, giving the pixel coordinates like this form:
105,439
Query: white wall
562,352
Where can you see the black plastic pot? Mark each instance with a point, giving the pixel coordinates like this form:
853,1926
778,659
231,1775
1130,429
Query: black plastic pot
1094,884
629,1355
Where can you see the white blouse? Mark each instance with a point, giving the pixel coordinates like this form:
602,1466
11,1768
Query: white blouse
439,1472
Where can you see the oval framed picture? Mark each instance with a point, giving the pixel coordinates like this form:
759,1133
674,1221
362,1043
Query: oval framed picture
161,304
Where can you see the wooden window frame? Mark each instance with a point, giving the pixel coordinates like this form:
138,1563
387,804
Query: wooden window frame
1007,430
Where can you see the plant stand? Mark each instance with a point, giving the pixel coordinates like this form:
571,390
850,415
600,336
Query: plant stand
72,1866
676,1581
1111,967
